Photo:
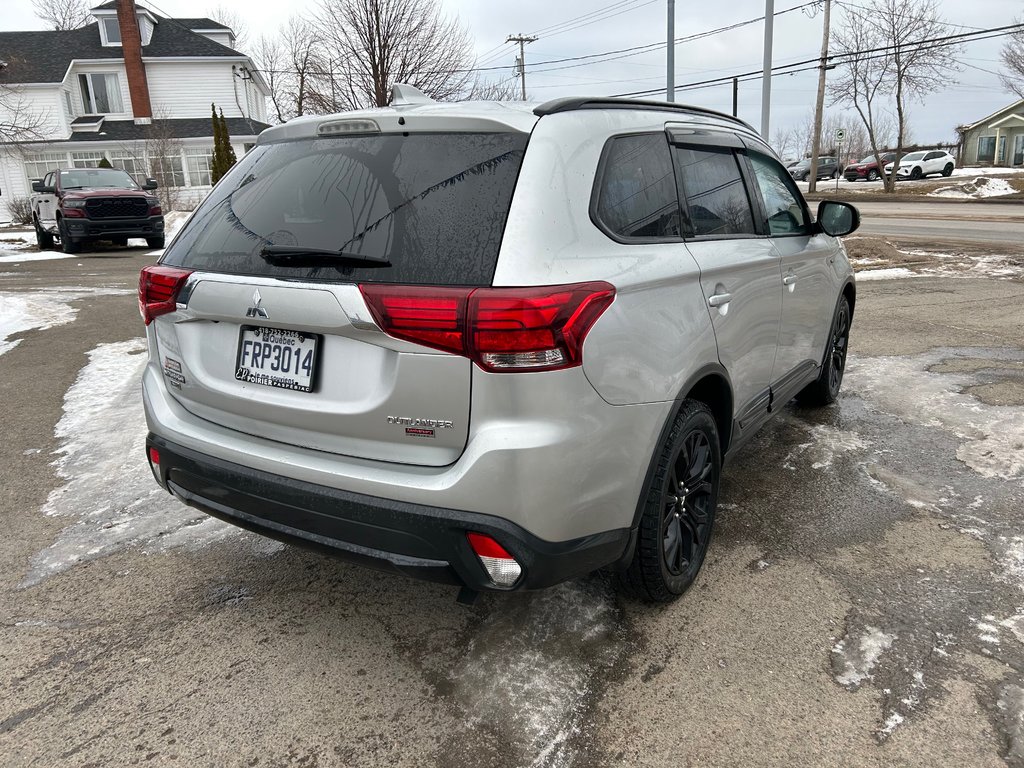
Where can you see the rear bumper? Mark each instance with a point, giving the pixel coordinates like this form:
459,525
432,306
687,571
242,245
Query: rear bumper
416,540
152,226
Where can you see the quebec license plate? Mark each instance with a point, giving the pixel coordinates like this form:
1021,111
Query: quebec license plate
277,358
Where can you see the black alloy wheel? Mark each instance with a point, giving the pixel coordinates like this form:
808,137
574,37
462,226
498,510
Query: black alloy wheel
686,521
824,390
948,170
43,239
916,173
677,512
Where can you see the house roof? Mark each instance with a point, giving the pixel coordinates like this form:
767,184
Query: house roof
183,128
204,23
983,120
44,56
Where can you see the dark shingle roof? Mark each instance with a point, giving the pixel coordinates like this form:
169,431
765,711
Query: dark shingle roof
185,128
204,23
44,56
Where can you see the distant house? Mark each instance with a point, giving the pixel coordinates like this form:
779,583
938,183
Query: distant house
995,140
134,88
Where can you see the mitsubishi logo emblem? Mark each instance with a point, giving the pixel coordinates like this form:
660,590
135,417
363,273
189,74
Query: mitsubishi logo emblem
256,310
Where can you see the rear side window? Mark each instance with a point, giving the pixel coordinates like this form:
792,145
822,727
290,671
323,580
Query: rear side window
716,198
636,193
434,205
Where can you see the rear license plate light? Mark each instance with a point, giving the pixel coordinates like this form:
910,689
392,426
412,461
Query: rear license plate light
276,357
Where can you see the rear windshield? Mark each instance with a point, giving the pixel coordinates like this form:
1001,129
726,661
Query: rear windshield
434,205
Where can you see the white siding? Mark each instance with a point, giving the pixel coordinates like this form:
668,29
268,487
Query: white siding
43,104
186,89
224,38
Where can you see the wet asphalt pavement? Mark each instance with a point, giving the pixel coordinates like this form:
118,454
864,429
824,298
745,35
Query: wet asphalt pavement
862,603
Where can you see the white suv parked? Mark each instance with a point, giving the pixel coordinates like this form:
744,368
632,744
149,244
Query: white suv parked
917,165
499,345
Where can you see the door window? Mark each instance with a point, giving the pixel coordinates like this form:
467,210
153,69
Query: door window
785,211
716,198
637,196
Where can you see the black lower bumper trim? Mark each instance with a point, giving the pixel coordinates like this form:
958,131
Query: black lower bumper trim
416,540
152,226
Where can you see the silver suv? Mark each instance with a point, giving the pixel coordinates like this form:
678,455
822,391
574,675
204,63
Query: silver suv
498,345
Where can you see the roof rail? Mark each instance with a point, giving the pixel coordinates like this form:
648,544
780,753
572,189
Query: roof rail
571,103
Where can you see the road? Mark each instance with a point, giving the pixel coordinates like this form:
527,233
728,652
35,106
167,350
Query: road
999,224
861,604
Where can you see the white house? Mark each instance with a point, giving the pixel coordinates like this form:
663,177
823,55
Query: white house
134,88
995,140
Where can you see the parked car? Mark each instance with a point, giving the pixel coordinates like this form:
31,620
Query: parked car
917,165
500,346
78,205
828,168
867,169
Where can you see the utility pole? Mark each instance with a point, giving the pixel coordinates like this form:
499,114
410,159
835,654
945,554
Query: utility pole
670,75
766,77
522,40
820,104
735,97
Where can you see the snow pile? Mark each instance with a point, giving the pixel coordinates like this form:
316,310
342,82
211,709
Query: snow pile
890,273
980,187
41,310
19,257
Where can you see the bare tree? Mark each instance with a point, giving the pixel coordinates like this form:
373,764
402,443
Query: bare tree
1013,62
296,71
494,90
876,82
62,14
377,43
20,119
230,17
162,152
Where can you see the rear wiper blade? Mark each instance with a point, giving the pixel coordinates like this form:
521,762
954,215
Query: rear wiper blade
293,254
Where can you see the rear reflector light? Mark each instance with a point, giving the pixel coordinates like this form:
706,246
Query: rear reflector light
500,329
154,464
158,290
154,456
499,564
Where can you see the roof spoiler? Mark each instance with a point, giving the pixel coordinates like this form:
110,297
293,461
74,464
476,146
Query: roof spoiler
572,103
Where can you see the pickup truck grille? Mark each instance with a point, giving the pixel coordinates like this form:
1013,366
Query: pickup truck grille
116,208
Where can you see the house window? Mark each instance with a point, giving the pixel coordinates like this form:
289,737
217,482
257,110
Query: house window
101,94
39,164
198,162
130,163
987,149
168,170
111,31
85,159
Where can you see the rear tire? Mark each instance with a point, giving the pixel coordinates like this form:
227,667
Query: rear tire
678,509
825,389
68,244
155,242
948,170
43,239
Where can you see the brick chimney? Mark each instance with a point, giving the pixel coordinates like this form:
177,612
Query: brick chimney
131,46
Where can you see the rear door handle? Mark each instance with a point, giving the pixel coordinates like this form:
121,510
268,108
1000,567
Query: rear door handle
789,280
719,299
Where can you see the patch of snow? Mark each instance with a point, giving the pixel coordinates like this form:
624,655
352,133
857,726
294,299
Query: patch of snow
1011,707
993,435
1013,559
102,435
891,273
891,723
15,257
826,443
1016,625
855,662
980,187
23,311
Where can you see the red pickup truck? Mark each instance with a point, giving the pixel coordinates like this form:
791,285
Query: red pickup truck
79,205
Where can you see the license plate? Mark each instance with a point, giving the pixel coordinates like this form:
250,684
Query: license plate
277,358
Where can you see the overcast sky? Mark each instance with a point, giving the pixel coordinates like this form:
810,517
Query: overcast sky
966,96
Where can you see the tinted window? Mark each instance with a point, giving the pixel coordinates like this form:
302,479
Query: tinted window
716,199
933,156
913,156
637,194
786,214
434,205
97,178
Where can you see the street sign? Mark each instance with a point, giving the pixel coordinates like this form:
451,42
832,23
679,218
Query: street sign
840,135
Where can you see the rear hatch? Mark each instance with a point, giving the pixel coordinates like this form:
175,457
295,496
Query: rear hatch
273,337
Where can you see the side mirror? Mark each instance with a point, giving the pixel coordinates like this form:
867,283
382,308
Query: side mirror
37,186
150,185
837,219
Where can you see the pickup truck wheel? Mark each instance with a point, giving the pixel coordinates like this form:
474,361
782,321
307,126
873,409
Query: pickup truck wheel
119,240
43,239
679,509
155,242
825,389
68,244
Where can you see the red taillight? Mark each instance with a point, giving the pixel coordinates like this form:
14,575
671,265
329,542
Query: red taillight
500,329
158,290
501,567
